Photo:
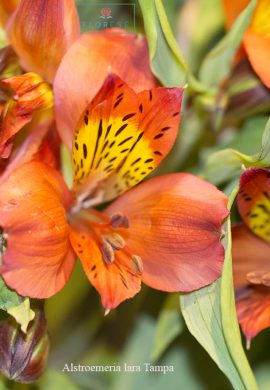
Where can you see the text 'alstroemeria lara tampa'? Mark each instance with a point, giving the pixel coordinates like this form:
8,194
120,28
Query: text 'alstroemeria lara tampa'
165,232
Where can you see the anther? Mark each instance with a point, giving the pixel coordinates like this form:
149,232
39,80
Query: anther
107,252
137,263
116,241
119,220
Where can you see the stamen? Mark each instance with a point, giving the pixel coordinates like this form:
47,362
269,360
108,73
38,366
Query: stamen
116,241
107,253
119,220
137,263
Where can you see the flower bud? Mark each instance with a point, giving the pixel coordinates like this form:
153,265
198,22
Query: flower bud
246,94
23,356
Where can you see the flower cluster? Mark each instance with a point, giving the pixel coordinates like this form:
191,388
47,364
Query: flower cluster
96,94
84,123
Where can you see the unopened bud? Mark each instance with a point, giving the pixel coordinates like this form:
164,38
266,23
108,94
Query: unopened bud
23,356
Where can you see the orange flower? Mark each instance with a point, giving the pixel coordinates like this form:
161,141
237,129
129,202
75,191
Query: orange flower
46,39
95,56
30,94
41,32
165,232
251,252
256,41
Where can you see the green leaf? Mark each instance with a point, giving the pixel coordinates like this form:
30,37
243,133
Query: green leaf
167,61
210,316
8,298
16,306
226,164
22,314
169,326
217,64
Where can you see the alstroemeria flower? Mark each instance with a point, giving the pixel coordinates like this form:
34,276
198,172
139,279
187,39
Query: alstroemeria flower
29,95
36,39
251,252
41,31
256,41
45,37
165,232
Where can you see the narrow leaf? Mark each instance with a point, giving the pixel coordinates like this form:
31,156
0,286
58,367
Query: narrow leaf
167,64
167,61
217,64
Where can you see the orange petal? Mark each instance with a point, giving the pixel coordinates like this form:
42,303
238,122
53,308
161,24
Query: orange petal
122,137
232,9
95,56
253,310
37,261
175,227
251,269
27,151
41,32
257,41
30,94
115,282
250,257
7,7
258,51
254,201
49,149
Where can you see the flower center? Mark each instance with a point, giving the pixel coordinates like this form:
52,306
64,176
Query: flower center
111,234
